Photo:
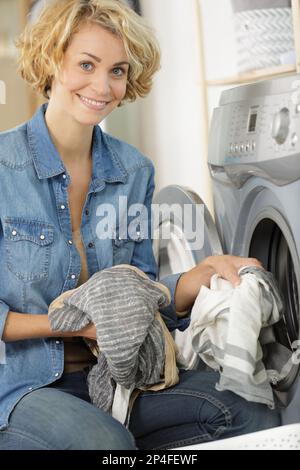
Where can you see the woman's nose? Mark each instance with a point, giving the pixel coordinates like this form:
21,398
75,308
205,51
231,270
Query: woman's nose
101,84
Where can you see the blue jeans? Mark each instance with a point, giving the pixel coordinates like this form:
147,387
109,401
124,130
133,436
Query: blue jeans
60,416
193,411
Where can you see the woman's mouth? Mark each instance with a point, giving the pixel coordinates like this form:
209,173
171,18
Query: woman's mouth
93,104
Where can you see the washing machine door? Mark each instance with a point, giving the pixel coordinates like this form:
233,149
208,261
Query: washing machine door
184,232
270,238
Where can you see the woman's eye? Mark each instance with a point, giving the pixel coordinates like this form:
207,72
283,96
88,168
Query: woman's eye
119,72
87,66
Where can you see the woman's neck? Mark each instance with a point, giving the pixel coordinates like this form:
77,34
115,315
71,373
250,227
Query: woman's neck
72,140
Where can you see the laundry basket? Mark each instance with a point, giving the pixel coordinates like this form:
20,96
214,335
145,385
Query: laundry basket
264,33
280,438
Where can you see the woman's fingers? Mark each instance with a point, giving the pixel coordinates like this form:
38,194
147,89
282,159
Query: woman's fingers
233,277
228,266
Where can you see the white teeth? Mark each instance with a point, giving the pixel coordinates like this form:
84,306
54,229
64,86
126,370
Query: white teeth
93,102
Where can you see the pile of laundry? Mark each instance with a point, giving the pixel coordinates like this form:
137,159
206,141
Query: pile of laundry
136,350
231,330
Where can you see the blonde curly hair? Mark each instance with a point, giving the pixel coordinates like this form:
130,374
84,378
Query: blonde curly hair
43,44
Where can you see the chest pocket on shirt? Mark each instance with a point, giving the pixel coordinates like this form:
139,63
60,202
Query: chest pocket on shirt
28,247
123,249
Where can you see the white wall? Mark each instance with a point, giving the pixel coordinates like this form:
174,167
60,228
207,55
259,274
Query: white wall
218,39
220,48
173,124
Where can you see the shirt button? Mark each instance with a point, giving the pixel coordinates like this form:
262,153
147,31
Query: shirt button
14,233
70,242
57,374
64,176
57,342
91,245
42,237
62,207
30,388
73,276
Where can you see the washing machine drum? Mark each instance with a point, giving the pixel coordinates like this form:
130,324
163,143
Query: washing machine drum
272,242
183,231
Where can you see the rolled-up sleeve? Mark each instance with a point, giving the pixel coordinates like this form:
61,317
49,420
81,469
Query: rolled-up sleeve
4,309
169,314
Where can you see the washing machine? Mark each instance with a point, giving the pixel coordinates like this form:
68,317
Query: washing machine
254,162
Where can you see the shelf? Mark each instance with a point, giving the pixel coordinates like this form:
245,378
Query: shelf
249,77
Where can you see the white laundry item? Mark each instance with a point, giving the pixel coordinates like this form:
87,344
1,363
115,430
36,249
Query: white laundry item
226,322
181,259
179,252
187,358
2,353
121,402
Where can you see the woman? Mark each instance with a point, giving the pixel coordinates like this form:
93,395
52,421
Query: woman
58,170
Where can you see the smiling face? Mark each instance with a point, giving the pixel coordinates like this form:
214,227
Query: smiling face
93,76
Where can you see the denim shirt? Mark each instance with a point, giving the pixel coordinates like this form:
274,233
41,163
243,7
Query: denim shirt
39,261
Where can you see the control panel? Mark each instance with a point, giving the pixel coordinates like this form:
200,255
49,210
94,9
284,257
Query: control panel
256,125
278,125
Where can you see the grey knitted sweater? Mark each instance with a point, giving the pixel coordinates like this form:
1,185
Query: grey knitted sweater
122,303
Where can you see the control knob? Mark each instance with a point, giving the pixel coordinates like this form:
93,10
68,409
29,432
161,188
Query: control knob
281,125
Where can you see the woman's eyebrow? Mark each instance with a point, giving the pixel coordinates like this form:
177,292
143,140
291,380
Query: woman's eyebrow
91,55
124,62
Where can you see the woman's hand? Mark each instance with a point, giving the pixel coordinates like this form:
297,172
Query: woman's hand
189,284
228,266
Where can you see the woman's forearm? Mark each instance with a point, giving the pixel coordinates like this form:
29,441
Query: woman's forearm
189,285
19,326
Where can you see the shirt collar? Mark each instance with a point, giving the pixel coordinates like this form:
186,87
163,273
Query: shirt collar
107,167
